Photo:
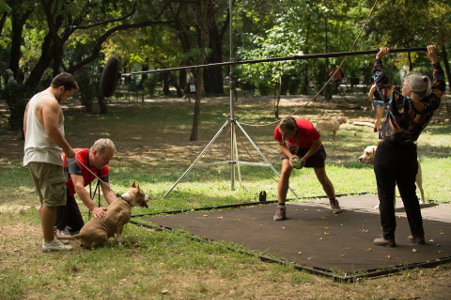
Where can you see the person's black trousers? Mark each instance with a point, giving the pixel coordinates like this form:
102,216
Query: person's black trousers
396,163
69,215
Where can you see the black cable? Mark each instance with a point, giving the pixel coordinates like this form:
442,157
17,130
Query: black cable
287,58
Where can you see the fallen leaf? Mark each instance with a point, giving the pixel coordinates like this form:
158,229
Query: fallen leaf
414,250
388,256
164,292
320,238
440,251
299,253
205,215
283,227
347,248
327,228
323,217
220,217
369,250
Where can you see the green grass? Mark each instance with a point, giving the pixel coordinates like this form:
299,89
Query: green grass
154,150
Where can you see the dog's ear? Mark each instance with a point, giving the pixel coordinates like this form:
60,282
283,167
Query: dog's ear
133,185
374,151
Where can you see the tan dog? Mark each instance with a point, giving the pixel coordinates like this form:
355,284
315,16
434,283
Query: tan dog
331,126
97,231
368,158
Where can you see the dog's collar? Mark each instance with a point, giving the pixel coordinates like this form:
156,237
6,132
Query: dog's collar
128,202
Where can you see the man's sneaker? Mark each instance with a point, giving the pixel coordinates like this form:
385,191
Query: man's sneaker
280,213
383,242
63,233
417,239
55,245
335,206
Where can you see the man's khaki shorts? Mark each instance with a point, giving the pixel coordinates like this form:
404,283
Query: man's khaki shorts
50,182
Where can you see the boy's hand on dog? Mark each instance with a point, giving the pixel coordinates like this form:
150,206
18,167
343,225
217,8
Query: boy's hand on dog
99,213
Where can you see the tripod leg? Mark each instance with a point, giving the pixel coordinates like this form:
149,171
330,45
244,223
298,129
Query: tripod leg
236,156
261,154
200,155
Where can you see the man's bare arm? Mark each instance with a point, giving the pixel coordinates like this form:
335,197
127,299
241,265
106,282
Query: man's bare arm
50,110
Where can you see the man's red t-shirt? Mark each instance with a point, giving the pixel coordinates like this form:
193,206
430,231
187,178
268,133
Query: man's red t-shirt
307,134
77,169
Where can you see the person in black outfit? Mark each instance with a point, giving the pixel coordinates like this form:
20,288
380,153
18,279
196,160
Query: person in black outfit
395,162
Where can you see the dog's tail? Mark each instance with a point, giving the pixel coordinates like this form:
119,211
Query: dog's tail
72,237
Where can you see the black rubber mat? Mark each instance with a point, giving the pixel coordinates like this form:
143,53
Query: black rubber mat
313,236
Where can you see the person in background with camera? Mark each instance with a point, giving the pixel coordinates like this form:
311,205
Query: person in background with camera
301,146
395,162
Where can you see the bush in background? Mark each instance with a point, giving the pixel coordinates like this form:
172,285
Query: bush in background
16,99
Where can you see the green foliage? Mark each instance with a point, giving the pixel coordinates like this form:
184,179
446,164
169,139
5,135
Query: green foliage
4,7
283,39
89,87
150,83
16,101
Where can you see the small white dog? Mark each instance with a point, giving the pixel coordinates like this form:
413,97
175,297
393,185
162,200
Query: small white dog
368,158
331,126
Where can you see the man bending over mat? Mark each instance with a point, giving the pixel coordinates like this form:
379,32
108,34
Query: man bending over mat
301,146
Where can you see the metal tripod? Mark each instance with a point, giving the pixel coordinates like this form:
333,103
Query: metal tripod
234,162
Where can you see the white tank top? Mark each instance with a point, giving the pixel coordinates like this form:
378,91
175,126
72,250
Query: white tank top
38,146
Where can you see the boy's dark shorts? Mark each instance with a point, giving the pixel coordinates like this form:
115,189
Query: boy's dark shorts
317,160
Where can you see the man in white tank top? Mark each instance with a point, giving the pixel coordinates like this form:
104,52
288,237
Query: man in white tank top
44,144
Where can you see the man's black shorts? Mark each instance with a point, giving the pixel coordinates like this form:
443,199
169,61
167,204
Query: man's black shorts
315,161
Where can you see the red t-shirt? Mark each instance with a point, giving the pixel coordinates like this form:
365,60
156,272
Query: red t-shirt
307,134
78,169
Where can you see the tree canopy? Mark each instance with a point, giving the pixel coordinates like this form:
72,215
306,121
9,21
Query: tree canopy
51,36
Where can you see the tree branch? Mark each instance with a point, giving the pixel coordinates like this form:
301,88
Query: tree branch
108,21
106,35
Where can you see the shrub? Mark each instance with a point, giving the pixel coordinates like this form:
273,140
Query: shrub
88,88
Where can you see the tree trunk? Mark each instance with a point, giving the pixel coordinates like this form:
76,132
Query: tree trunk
213,76
304,89
327,90
203,36
279,92
409,57
103,107
42,64
16,41
448,75
165,77
445,62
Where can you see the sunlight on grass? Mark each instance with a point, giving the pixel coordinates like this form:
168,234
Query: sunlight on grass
154,150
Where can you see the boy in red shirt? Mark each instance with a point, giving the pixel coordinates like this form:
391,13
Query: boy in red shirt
299,139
